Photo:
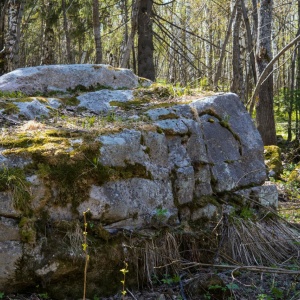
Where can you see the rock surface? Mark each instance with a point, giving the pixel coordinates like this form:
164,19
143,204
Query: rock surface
60,78
139,180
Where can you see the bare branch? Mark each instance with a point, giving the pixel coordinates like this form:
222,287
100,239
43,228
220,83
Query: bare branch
268,68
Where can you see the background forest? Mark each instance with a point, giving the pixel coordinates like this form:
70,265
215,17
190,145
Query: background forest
216,45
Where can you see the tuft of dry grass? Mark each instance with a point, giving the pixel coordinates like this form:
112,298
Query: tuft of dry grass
32,125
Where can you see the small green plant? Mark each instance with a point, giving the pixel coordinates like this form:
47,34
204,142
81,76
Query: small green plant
264,297
170,280
44,296
123,281
277,292
91,121
1,295
84,247
5,94
161,212
247,213
111,117
14,180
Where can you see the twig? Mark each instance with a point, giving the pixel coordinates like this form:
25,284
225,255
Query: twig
262,269
131,294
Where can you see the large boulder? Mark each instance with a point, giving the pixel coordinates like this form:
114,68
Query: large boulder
60,78
172,170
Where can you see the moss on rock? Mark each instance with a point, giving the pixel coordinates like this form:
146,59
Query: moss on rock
273,160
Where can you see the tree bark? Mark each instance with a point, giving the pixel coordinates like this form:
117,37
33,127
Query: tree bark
70,58
264,104
49,38
145,40
3,10
134,27
97,33
237,71
12,36
223,50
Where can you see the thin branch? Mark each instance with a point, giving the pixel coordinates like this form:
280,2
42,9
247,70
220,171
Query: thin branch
160,4
187,31
268,68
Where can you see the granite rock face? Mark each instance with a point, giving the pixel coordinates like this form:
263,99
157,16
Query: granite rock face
173,171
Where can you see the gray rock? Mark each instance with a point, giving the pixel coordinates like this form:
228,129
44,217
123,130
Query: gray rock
60,78
202,181
266,195
98,102
32,109
184,185
6,205
122,148
172,127
205,212
10,253
121,200
9,230
158,149
178,156
178,173
234,145
54,103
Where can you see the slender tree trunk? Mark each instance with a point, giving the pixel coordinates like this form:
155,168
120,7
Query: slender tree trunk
237,73
97,33
250,43
70,58
208,45
297,97
145,41
223,50
49,38
264,104
291,96
12,36
134,27
3,11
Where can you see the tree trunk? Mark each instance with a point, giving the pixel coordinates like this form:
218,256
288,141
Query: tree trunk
223,50
3,10
134,27
298,80
145,41
97,34
264,104
49,38
249,41
70,58
237,72
12,36
208,44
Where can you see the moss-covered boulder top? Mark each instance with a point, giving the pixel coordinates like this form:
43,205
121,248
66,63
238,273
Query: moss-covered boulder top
137,159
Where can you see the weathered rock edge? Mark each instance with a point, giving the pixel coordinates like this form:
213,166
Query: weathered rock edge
196,160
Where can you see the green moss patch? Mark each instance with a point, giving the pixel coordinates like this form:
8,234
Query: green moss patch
129,104
9,107
273,160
